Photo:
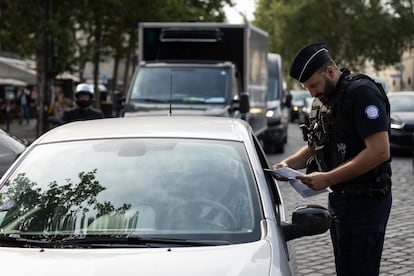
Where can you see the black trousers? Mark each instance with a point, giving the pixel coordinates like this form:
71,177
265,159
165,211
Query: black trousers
357,232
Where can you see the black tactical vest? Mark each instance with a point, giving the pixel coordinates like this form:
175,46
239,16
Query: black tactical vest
331,128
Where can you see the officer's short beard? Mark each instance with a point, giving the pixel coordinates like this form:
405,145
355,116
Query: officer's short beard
330,88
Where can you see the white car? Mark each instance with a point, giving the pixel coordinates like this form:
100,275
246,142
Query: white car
147,196
10,148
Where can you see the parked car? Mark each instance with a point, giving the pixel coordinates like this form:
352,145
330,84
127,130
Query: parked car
402,121
297,102
149,195
10,148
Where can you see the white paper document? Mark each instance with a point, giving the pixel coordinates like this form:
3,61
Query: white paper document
297,184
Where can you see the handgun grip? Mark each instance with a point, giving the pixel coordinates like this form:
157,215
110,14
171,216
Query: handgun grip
305,131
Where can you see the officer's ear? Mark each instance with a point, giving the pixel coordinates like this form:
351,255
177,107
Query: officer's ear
330,71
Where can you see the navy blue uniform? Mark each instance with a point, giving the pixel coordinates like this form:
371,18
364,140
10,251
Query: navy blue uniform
340,119
360,211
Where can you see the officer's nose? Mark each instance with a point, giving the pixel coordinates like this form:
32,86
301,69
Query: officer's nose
313,92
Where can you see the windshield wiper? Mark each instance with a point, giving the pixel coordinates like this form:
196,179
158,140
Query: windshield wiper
193,100
15,240
134,241
95,241
151,100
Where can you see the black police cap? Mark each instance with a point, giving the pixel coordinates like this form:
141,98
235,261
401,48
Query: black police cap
308,60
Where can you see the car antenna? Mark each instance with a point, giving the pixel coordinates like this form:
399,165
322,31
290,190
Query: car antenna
170,112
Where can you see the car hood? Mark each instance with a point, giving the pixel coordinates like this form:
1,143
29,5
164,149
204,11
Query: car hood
406,117
246,259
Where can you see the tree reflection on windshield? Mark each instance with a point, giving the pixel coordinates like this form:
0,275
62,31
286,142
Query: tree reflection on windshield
59,208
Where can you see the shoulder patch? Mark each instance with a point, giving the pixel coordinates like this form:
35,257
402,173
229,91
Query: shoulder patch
372,112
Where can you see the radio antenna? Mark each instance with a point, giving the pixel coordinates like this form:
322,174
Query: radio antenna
170,112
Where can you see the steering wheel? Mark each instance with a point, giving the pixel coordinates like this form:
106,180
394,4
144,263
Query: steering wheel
200,214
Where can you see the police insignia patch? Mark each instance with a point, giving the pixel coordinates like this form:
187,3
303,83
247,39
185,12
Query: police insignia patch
372,112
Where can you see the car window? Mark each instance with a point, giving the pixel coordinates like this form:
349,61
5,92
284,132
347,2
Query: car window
271,184
139,186
308,102
299,95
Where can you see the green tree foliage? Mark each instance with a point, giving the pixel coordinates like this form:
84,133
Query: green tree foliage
25,24
356,31
87,30
403,12
65,35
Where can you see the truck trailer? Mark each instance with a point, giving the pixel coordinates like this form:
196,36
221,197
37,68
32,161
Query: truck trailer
206,69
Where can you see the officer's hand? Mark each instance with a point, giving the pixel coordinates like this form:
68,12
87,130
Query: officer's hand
277,166
316,180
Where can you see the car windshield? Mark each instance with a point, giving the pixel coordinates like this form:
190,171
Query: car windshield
402,103
300,95
308,102
153,187
199,85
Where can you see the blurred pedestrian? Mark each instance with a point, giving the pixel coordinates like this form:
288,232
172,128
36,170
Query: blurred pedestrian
349,143
60,103
23,101
84,110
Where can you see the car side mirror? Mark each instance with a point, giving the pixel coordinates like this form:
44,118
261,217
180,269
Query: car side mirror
307,221
241,103
244,103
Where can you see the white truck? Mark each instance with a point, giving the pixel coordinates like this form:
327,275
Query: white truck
275,137
206,69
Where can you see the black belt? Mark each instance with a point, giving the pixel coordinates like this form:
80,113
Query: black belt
358,190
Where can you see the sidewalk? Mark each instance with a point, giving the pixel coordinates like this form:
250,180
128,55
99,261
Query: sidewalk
24,131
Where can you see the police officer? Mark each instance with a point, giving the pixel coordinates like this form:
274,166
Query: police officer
83,110
349,143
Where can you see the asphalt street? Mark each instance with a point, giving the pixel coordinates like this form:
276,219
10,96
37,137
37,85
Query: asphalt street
313,255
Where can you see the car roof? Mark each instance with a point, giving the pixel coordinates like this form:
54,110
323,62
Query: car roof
383,82
151,126
401,93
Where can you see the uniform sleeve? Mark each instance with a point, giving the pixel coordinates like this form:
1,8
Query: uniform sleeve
369,110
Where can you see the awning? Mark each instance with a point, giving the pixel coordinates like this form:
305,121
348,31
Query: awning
66,75
14,82
16,69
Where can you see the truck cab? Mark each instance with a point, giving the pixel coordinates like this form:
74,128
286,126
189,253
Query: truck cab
207,69
183,88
